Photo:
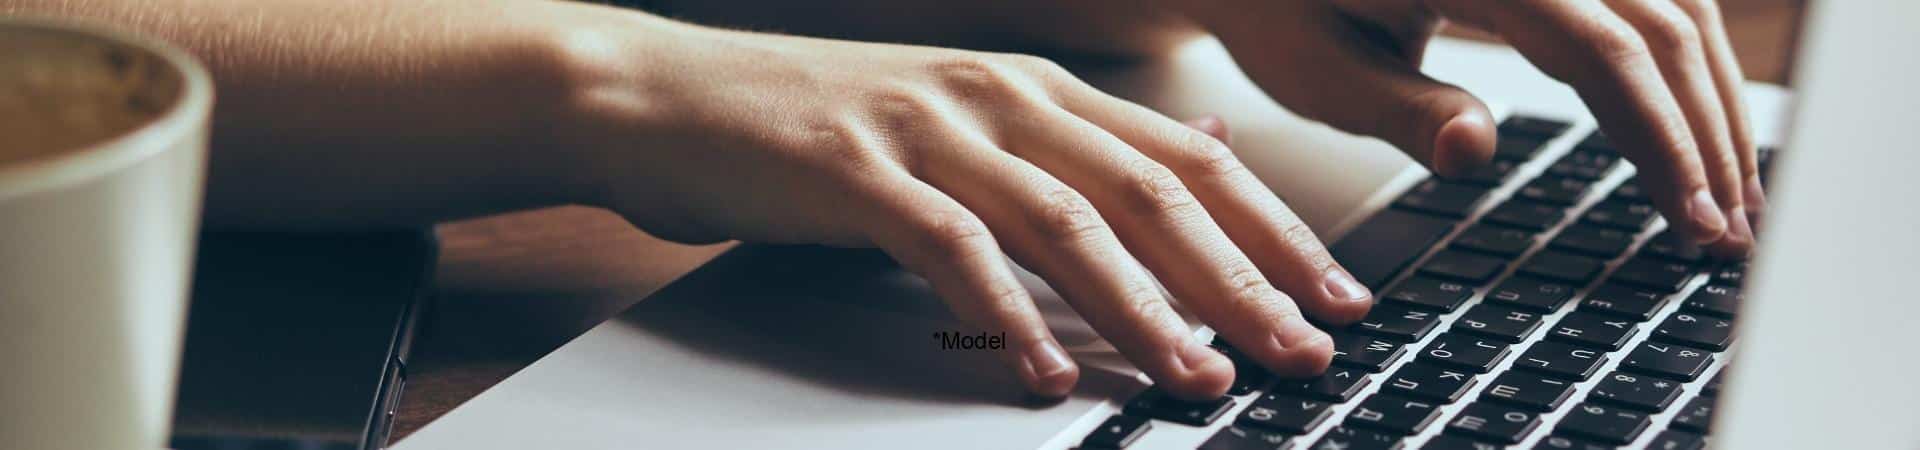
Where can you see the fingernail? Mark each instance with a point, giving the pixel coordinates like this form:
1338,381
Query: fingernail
1706,216
1195,355
1341,285
1756,199
1048,359
1737,227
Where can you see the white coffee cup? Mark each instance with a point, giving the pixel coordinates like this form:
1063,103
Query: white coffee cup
103,139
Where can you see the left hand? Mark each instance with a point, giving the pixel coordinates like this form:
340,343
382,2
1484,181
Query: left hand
1660,76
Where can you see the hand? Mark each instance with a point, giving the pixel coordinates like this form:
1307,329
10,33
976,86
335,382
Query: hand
1659,75
950,161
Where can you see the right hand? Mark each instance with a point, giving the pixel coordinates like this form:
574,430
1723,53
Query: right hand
950,161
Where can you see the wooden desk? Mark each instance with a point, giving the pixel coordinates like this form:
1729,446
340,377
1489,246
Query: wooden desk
514,287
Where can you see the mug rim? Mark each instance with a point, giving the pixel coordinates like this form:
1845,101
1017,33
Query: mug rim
190,111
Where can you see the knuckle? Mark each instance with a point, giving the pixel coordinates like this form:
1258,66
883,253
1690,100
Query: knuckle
1701,10
1066,216
979,77
1155,189
1614,43
1006,297
954,236
1145,301
1204,156
1671,31
1246,284
1299,237
904,107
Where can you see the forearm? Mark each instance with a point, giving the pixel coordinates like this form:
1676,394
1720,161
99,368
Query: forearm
347,113
1101,28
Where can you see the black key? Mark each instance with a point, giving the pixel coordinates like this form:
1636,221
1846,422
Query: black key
1555,190
1507,324
1493,422
1621,214
1643,393
1398,322
1364,352
1671,246
1631,190
1527,215
1562,266
1623,301
1596,142
1386,243
1117,432
1529,391
1393,414
1518,148
1585,164
1429,293
1451,442
1494,240
1604,423
1155,403
1285,413
1593,331
1697,416
1694,330
1462,351
1563,361
1348,438
1653,274
1605,243
1569,443
1716,300
1529,126
1463,266
1429,382
1489,175
1730,275
1713,384
1677,440
1248,377
1238,438
1667,360
1443,198
1531,294
1336,385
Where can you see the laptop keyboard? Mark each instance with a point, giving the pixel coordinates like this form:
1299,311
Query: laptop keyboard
1537,302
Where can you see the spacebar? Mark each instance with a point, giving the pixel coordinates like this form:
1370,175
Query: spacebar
1383,245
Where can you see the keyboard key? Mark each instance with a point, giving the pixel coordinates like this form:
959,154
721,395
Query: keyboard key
1364,352
1519,148
1604,423
1618,214
1238,438
1337,385
1677,440
1442,198
1713,384
1463,266
1248,377
1398,322
1530,126
1489,175
1531,294
1117,432
1593,241
1430,293
1695,330
1593,331
1386,243
1560,360
1494,240
1348,438
1562,266
1671,246
1654,274
1730,275
1631,190
1696,417
1285,413
1585,164
1641,393
1527,390
1155,403
1451,442
1569,443
1596,142
1714,300
1462,351
1527,215
1429,382
1668,360
1623,301
1555,190
1507,324
1393,414
1493,422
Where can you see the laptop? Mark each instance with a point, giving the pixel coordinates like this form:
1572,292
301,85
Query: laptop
1595,328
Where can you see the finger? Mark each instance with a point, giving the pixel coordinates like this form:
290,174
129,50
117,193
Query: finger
1676,46
1053,230
1366,89
1167,228
1729,80
932,235
1585,44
